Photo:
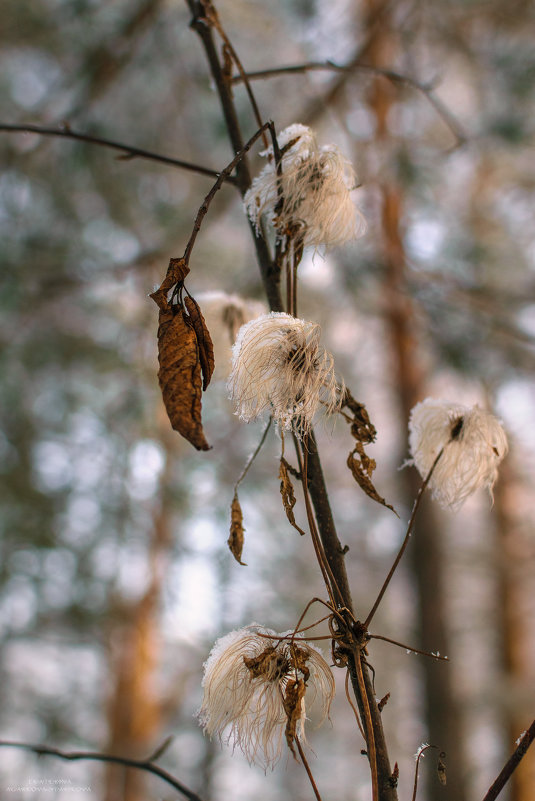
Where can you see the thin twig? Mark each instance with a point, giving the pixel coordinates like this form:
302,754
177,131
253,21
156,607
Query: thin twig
512,763
370,732
72,756
409,647
131,152
421,752
353,707
405,541
328,575
391,75
213,18
251,458
307,768
216,187
269,270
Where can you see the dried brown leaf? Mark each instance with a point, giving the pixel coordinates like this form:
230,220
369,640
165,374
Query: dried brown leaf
361,427
287,494
362,467
292,701
180,376
204,340
176,272
236,539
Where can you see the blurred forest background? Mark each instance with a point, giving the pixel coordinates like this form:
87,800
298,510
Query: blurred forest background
115,577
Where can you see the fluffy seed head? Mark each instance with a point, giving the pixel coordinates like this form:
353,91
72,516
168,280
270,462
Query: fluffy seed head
224,315
278,366
315,184
249,683
474,444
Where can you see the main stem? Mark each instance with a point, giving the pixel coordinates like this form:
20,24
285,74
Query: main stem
316,481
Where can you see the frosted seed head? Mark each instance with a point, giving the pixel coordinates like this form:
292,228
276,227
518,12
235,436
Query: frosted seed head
474,444
315,184
279,368
245,681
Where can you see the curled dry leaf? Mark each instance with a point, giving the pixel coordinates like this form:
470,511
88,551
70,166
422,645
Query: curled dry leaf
287,494
176,272
236,539
204,340
362,467
361,427
180,375
293,707
360,464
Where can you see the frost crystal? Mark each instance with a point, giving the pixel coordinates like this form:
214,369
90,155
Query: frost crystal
474,444
248,682
278,366
315,186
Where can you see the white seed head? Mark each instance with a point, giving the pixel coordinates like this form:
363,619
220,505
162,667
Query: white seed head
245,680
279,367
315,184
474,444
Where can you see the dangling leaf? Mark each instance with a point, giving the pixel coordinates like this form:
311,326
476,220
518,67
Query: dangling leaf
362,468
236,539
293,707
287,494
180,375
361,426
176,272
204,340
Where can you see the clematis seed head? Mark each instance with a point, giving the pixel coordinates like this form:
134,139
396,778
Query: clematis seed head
473,442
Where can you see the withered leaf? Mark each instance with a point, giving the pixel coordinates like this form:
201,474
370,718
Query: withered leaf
176,272
362,468
361,427
236,539
292,702
204,340
180,375
287,494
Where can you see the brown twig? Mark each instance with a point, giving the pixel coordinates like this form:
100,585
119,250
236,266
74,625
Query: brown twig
213,18
216,187
369,728
391,75
512,763
269,270
404,543
421,752
131,152
409,647
251,459
353,707
307,768
73,756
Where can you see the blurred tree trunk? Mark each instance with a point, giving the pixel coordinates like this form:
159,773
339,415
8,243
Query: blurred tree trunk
513,567
134,710
441,707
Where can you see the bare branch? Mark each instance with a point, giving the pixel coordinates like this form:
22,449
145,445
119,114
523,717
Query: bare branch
394,77
404,543
512,763
222,177
73,756
129,151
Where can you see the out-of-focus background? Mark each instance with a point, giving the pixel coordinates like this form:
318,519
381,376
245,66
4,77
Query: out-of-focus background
115,577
